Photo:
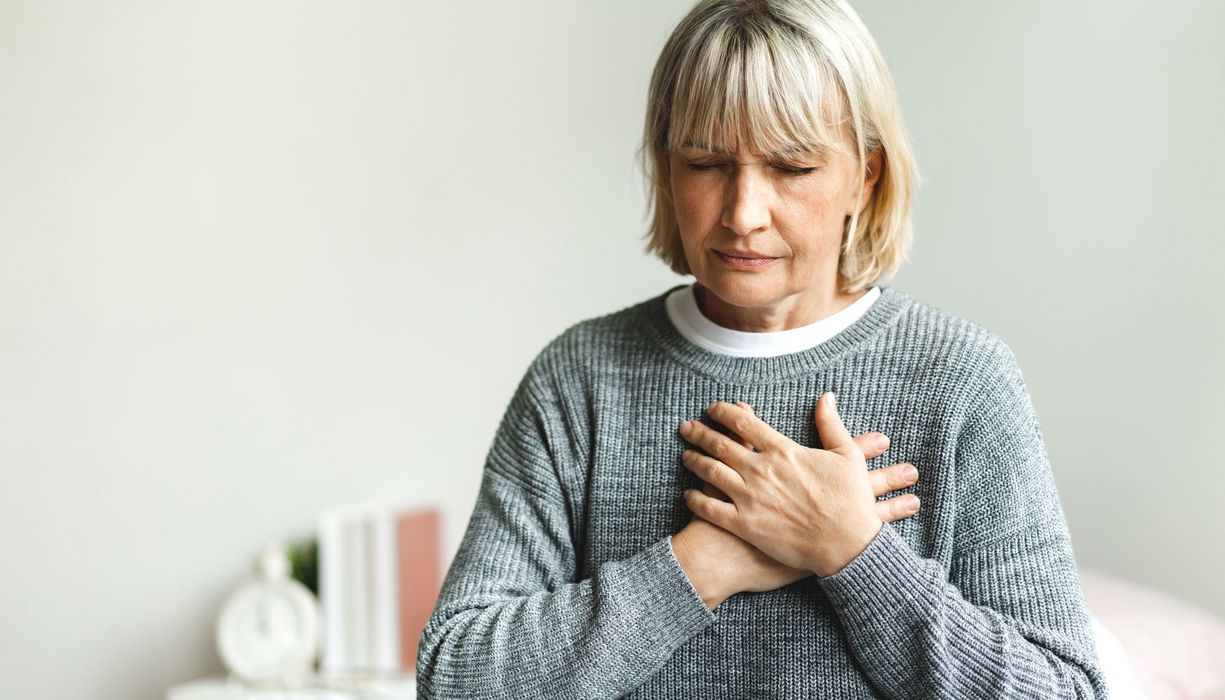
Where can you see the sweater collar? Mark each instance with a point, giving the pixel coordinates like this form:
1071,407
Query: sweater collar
660,329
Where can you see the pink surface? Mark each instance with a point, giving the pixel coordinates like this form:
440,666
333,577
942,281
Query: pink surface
420,577
1176,649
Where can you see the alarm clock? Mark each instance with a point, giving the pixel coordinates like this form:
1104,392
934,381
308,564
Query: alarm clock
268,629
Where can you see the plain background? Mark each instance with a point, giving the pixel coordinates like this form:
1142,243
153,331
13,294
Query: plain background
259,258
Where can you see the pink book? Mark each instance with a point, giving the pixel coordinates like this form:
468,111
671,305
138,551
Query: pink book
418,537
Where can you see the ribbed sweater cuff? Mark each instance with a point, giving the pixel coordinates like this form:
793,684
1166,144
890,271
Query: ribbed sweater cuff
673,611
879,583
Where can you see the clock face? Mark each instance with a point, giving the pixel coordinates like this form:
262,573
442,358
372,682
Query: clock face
268,630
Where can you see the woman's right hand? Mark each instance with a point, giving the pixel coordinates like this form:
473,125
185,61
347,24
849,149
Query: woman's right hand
720,564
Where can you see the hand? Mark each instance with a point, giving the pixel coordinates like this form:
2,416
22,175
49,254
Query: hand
721,564
884,479
809,509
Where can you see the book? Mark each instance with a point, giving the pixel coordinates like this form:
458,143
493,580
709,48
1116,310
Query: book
379,577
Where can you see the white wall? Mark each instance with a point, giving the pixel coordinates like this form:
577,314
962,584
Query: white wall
252,256
1071,153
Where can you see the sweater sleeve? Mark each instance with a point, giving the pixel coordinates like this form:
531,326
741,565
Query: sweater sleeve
1009,620
511,621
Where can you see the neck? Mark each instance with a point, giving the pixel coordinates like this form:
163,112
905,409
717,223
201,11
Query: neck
794,311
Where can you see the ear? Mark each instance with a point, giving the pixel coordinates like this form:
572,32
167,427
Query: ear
876,164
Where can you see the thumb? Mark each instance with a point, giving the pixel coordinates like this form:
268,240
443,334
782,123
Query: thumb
834,435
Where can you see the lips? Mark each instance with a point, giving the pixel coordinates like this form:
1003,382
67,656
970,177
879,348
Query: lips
745,255
736,262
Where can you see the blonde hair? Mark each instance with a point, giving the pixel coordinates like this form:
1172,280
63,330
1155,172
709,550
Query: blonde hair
763,70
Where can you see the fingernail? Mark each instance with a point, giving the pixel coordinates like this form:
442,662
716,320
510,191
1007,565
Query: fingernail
686,427
833,400
912,503
910,472
882,440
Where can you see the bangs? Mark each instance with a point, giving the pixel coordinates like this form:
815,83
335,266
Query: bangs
774,77
758,85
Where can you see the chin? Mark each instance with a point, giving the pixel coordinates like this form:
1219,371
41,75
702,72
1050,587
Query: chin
743,292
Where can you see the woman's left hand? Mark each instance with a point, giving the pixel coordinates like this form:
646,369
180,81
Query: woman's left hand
807,508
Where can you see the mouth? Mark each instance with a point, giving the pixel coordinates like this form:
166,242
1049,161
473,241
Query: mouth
744,263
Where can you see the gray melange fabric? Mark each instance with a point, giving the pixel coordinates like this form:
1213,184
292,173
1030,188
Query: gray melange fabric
566,585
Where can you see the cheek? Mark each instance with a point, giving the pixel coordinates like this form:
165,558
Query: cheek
812,220
694,201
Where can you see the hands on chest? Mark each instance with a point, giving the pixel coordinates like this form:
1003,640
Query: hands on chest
772,511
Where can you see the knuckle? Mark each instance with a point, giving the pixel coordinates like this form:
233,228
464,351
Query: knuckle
879,479
697,465
886,511
759,468
895,510
692,500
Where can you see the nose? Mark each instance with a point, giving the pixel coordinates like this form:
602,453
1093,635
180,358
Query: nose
746,203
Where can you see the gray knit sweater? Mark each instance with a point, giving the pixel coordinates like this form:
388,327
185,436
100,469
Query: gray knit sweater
566,585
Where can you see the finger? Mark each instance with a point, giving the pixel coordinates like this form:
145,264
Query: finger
713,491
898,508
744,441
716,444
891,478
872,444
834,435
711,510
745,423
712,471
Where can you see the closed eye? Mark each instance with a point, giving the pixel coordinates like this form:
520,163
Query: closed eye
797,171
794,172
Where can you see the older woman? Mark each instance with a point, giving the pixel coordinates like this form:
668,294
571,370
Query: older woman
674,504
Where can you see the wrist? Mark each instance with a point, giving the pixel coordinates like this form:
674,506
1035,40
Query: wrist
848,550
703,570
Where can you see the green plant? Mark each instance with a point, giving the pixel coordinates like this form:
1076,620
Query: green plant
304,563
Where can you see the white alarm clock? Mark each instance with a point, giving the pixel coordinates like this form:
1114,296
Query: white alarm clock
268,630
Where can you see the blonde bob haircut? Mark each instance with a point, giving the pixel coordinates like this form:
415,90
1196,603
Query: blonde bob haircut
777,75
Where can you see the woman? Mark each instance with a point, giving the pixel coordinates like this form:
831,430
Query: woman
674,504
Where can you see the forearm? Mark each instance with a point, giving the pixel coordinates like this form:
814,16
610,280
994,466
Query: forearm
916,635
600,637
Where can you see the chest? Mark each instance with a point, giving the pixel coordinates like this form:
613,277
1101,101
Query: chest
630,492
